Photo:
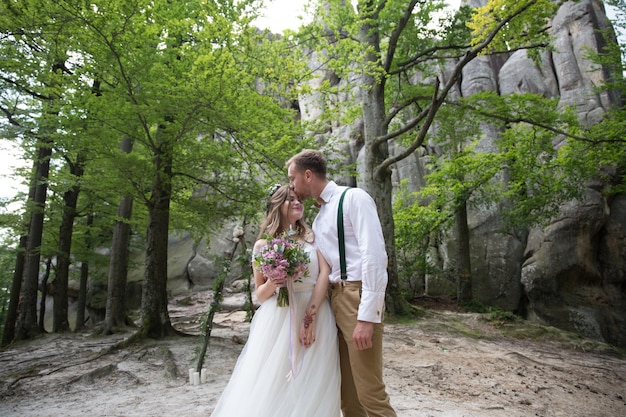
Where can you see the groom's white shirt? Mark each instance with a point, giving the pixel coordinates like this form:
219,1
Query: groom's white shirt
366,256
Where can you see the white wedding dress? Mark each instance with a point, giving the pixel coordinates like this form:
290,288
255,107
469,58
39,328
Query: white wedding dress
262,385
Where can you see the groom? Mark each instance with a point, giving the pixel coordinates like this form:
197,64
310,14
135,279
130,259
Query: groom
358,301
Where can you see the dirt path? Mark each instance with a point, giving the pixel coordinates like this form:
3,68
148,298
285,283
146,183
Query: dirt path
450,364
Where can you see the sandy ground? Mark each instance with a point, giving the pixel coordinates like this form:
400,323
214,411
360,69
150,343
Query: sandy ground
448,364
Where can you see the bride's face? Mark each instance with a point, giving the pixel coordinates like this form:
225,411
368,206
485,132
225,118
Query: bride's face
292,209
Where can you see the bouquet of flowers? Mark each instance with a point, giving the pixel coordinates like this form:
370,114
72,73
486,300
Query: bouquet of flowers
281,260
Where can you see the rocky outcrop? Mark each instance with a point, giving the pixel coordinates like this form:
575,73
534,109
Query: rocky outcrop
570,274
573,270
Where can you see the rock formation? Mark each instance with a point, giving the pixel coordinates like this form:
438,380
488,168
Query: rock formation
571,274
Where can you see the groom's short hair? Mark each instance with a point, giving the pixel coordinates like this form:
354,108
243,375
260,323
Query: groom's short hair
310,159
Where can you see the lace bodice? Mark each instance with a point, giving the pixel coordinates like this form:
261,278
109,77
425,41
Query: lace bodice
314,268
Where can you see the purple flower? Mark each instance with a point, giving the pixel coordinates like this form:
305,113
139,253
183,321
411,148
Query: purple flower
281,259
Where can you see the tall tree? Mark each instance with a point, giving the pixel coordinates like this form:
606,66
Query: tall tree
155,319
115,315
26,324
8,332
60,320
81,300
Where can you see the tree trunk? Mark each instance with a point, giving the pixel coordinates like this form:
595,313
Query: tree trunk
463,262
155,320
44,296
81,303
26,326
379,186
60,318
16,286
115,316
8,333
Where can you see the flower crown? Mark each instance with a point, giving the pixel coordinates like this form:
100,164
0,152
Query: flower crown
273,189
270,193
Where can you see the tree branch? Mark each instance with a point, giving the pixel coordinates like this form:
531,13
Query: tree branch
395,35
428,114
532,122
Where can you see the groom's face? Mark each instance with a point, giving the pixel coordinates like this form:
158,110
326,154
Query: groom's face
298,182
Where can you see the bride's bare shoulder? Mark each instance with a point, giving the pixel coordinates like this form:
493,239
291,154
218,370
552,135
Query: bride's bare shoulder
259,244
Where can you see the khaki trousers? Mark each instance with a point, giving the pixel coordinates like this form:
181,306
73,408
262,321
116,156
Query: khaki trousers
363,391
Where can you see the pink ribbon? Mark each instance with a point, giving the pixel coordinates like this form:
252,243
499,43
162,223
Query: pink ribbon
294,331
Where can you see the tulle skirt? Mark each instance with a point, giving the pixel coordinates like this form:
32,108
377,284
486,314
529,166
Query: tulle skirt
266,383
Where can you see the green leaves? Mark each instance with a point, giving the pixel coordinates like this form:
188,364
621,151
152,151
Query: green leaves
214,89
508,25
528,172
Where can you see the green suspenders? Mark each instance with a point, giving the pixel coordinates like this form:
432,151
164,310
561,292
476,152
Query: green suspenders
342,244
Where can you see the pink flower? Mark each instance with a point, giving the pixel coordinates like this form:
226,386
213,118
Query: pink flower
279,260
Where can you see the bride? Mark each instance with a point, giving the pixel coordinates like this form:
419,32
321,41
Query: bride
289,366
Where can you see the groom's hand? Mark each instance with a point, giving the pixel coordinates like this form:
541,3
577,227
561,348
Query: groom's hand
362,335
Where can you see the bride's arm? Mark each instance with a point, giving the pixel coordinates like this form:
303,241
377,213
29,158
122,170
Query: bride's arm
320,291
264,288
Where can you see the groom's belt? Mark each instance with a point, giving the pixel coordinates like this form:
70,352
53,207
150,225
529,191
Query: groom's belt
339,285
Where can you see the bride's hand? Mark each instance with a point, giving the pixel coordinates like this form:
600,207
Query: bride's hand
278,283
307,330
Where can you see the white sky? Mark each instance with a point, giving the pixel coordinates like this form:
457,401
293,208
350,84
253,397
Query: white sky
9,160
288,14
282,14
